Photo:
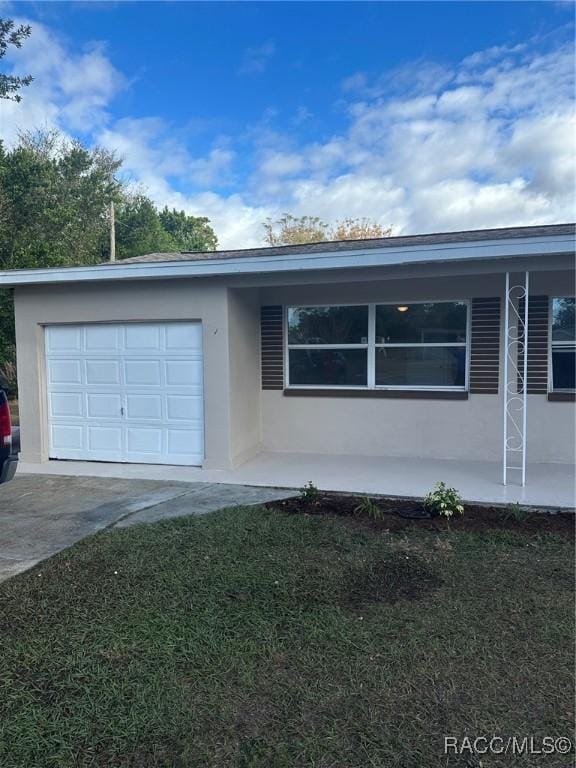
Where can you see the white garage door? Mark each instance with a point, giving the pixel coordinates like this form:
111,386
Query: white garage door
129,392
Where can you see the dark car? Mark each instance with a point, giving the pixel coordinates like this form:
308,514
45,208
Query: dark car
8,455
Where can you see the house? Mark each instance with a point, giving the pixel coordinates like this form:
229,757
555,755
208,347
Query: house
398,347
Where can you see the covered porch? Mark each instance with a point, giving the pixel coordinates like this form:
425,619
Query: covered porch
549,485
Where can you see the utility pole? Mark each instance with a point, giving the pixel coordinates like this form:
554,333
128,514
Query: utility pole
112,233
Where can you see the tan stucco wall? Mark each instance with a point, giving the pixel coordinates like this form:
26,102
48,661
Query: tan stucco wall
201,300
240,419
244,356
470,429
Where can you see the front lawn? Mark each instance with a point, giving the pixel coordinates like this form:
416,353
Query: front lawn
258,639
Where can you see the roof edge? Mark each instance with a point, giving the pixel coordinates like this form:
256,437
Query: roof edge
330,246
479,250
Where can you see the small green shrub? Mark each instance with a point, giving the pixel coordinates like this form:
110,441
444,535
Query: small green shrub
368,508
517,512
309,492
444,501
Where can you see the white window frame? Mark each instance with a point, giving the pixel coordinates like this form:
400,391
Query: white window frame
371,347
552,344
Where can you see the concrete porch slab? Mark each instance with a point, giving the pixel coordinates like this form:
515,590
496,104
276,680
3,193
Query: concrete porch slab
548,485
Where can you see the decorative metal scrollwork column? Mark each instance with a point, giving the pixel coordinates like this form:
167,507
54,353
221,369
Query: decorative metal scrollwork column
515,377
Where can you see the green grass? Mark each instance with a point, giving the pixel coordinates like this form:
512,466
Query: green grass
253,639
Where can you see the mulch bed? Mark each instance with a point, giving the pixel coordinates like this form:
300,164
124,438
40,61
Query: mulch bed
401,514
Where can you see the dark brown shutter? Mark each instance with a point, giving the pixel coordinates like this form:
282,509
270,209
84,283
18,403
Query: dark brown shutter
272,347
485,346
537,344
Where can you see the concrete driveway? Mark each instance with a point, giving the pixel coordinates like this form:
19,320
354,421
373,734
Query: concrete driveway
41,515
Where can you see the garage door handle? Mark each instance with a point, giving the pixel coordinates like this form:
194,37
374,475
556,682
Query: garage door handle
122,411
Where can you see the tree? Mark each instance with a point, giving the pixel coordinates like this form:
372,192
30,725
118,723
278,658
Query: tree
191,233
10,35
54,199
358,229
295,230
139,229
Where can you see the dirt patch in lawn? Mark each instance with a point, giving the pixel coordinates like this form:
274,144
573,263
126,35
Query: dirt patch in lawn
400,514
399,577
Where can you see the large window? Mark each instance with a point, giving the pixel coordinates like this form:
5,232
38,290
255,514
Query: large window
563,344
328,346
407,346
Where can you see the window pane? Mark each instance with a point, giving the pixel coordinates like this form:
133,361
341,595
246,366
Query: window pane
563,366
328,325
436,323
421,366
329,367
563,320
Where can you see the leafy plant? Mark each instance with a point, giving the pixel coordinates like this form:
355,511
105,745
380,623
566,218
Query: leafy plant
368,508
517,512
309,492
10,34
444,501
8,379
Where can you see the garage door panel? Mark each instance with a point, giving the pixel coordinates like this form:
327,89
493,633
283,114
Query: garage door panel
142,372
184,407
66,404
105,439
65,338
144,406
65,372
126,392
102,338
104,405
184,372
144,440
65,437
180,337
103,372
182,442
140,337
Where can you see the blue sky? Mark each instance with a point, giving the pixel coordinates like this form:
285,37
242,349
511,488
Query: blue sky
424,116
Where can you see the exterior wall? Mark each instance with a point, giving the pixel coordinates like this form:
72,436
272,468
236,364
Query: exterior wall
240,418
244,357
122,302
424,428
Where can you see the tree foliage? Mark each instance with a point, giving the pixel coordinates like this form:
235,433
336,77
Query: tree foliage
295,230
54,199
191,233
139,230
54,211
358,229
11,35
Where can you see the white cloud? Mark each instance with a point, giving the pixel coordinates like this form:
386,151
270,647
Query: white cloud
70,91
487,142
282,164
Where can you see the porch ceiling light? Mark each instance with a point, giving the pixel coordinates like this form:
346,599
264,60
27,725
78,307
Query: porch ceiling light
402,309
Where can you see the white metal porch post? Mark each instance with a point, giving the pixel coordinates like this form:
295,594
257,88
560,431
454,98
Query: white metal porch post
515,367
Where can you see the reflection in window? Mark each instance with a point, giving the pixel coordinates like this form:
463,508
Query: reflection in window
563,344
421,366
328,325
328,367
384,345
434,323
